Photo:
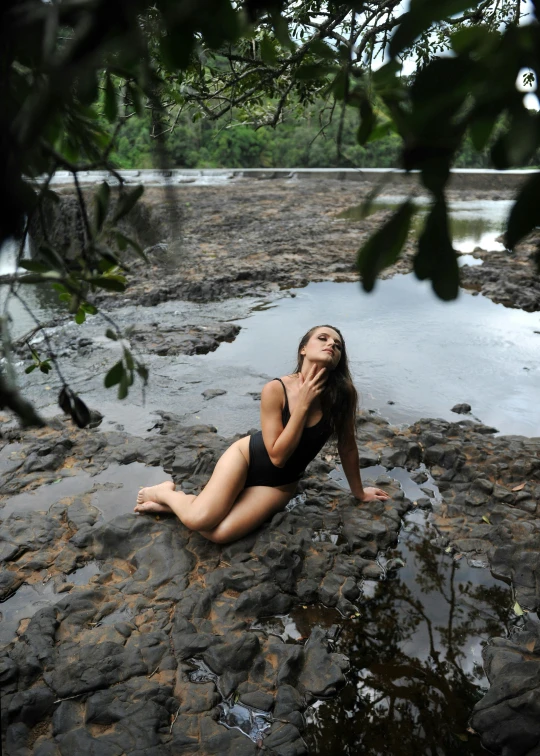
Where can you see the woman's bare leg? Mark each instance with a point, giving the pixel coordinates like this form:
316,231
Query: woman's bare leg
213,504
254,506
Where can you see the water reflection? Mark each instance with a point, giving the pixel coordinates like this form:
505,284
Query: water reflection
475,223
40,298
415,651
407,346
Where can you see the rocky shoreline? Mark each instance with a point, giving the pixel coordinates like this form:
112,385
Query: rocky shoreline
150,634
109,667
251,237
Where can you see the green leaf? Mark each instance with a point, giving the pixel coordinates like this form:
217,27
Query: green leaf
51,256
485,518
33,278
311,71
123,241
101,201
80,412
384,246
268,51
30,368
381,130
518,611
421,16
33,266
90,309
80,316
386,75
320,48
109,283
129,359
436,258
126,201
340,84
474,39
110,103
123,387
176,46
72,405
45,367
481,130
114,375
520,143
142,370
110,334
367,122
525,214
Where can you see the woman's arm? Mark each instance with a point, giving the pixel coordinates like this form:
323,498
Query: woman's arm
281,441
348,453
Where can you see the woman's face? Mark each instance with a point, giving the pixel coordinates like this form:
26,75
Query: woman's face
323,347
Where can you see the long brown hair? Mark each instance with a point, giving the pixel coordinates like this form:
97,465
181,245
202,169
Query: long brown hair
339,399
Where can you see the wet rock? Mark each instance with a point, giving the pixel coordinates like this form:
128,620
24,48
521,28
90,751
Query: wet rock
183,339
31,706
9,582
172,596
263,601
93,667
507,717
68,715
96,418
285,739
461,409
368,457
27,531
219,741
212,393
253,696
322,672
234,653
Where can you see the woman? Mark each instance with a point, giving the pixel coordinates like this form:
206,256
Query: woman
258,475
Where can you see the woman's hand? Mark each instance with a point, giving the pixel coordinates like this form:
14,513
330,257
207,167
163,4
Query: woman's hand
373,494
311,386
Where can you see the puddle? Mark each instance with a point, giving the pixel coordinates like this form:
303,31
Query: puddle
475,223
28,599
415,648
283,626
408,347
233,714
251,722
114,490
412,489
469,260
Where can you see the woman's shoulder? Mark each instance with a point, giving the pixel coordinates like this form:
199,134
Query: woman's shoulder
271,389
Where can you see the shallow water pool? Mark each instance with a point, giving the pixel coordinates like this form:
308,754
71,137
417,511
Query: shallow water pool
411,355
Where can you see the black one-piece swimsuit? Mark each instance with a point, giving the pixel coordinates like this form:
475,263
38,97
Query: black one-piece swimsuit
262,472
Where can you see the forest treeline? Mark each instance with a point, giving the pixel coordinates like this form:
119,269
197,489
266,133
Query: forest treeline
304,139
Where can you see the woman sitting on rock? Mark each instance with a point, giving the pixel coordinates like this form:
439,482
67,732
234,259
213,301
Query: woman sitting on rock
258,474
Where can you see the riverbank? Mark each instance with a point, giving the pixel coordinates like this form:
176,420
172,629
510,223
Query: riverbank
249,237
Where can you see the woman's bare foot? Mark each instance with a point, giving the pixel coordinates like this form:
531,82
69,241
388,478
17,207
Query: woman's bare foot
152,493
152,506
